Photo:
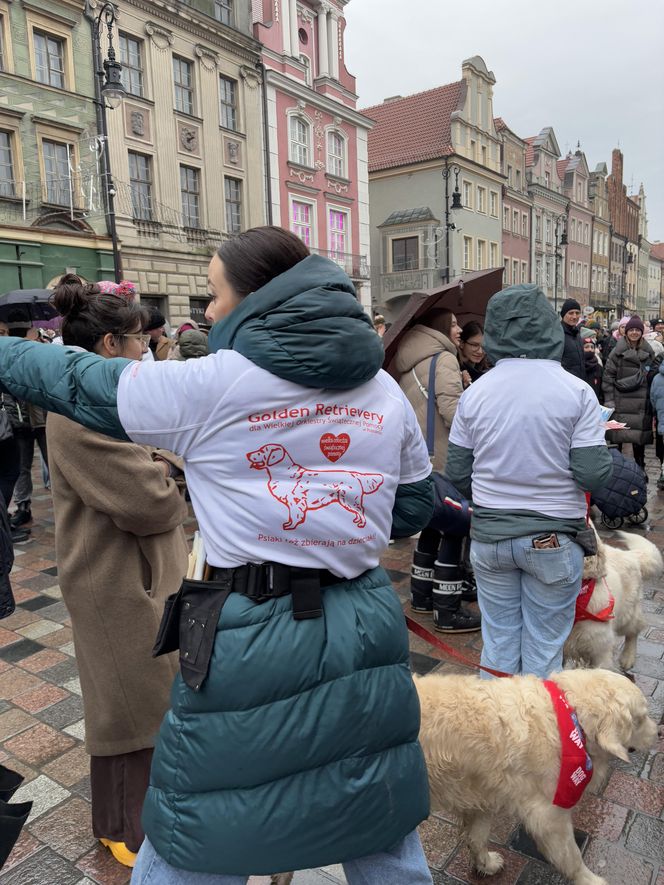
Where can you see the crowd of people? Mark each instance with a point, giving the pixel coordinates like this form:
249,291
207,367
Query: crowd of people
258,714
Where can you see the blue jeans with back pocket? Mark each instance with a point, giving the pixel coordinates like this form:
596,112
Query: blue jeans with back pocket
527,597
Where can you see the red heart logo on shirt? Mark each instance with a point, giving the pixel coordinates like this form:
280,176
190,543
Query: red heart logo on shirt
333,447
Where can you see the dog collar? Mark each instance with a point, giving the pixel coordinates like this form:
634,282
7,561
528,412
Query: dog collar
575,764
582,600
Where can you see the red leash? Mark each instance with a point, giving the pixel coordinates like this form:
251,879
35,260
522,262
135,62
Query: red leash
429,637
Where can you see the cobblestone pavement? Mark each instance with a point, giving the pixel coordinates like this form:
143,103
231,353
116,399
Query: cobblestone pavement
41,731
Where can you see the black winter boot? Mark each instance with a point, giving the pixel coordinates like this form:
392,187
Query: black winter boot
421,581
22,516
449,616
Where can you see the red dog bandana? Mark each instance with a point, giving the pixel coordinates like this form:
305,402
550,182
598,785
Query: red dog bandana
582,600
575,764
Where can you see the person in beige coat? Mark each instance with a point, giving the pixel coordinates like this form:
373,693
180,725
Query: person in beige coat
121,551
436,574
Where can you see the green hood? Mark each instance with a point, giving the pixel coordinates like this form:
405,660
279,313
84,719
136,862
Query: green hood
305,326
520,322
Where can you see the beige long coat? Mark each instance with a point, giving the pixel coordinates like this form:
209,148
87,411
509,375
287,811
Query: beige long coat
121,551
415,352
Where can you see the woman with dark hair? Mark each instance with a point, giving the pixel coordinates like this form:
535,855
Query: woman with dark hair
471,353
292,741
121,550
436,574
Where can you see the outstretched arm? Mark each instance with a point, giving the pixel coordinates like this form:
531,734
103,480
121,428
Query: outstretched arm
80,386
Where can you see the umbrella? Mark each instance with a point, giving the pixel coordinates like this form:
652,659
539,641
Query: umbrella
467,297
34,303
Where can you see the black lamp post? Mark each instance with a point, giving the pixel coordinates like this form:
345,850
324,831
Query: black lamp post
456,204
109,93
560,240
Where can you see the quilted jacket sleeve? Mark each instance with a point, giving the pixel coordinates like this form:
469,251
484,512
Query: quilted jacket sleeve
413,508
79,385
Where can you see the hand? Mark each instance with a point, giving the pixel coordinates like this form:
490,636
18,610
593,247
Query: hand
466,379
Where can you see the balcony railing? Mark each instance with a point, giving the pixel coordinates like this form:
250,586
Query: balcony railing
356,266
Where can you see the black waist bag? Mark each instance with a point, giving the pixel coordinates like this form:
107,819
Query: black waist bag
189,623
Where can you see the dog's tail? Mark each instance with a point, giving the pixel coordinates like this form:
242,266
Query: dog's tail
369,481
647,554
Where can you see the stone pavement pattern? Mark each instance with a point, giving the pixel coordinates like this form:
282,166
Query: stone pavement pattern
41,732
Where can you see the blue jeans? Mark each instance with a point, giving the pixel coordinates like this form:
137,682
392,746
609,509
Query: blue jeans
527,598
404,864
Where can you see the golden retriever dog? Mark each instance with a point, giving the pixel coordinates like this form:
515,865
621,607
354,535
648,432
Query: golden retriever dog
493,746
621,574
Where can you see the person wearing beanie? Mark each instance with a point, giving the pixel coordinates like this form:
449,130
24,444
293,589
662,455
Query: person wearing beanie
573,359
627,375
528,510
160,345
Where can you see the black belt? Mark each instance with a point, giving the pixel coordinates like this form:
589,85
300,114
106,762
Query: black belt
190,618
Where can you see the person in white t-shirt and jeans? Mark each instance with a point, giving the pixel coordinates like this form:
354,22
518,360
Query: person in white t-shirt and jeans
526,443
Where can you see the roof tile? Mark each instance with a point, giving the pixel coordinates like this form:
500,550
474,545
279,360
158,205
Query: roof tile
413,129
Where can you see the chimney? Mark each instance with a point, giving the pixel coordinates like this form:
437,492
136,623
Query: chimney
617,165
392,98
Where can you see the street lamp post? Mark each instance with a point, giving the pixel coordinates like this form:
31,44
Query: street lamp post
109,93
456,204
627,258
560,240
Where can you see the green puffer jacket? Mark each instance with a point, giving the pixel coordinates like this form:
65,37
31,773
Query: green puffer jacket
301,748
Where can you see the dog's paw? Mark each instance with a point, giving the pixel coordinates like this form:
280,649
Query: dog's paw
492,864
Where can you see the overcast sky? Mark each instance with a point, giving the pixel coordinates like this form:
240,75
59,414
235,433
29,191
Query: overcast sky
592,69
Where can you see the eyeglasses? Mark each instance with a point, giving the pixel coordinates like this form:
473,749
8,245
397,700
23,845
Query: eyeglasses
144,339
472,345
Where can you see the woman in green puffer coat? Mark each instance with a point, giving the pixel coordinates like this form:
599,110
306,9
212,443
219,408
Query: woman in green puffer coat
296,744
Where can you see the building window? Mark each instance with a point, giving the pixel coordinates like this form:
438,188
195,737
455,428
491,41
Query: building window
336,154
506,218
405,253
467,253
506,275
49,59
515,222
57,175
549,274
7,187
302,222
140,183
548,229
337,232
538,226
467,191
585,276
484,162
481,200
190,190
509,175
547,179
481,254
524,271
572,230
515,271
131,57
2,43
183,79
572,273
538,272
299,141
228,99
586,234
223,11
306,62
233,199
524,225
493,254
473,149
518,179
493,204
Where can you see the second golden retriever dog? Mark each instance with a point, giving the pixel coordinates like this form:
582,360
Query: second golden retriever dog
619,573
493,746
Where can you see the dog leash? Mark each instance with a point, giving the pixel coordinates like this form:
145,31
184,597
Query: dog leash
429,637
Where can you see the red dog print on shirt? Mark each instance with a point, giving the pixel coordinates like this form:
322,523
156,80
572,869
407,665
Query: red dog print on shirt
301,489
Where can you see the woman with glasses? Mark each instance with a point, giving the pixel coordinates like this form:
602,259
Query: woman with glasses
471,353
121,551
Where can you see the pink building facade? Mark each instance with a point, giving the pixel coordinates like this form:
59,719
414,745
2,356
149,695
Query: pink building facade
317,182
517,207
574,175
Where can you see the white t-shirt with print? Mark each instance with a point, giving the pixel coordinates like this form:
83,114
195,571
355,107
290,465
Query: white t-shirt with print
521,419
276,471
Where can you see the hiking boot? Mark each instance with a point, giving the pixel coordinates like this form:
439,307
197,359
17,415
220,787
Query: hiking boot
421,581
449,616
19,536
21,516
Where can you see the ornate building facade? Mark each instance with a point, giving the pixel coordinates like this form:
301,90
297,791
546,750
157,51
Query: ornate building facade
598,196
517,207
316,147
574,175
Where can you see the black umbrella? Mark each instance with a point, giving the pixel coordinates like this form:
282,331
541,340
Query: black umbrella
32,303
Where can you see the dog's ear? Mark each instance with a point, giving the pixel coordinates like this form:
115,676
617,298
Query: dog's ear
614,729
275,455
